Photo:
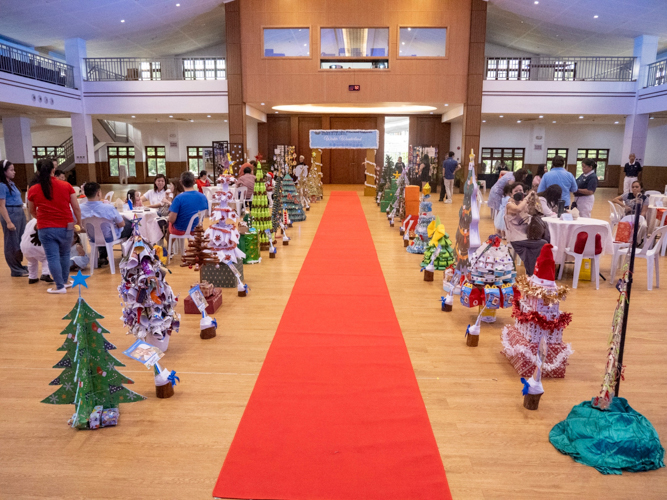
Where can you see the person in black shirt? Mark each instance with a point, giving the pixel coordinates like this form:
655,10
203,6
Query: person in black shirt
587,184
632,171
399,166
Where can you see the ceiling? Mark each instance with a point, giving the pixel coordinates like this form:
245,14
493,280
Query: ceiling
568,27
151,27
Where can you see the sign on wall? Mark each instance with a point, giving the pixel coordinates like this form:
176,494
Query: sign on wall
344,139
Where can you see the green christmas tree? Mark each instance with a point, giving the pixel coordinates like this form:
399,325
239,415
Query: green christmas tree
261,215
397,208
291,200
439,239
89,376
389,195
386,177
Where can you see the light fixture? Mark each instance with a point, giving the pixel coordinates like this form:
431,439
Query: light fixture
615,123
553,121
276,112
122,20
178,5
409,29
580,117
541,116
225,121
652,117
402,43
305,45
171,116
261,103
483,121
191,121
536,2
314,108
208,116
133,116
501,116
518,121
446,104
432,113
595,16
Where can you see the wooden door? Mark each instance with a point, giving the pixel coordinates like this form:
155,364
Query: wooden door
347,165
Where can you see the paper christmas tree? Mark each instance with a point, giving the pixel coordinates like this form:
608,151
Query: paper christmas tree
421,239
397,208
467,234
223,234
386,177
312,185
260,212
291,200
89,377
389,195
439,251
199,251
148,302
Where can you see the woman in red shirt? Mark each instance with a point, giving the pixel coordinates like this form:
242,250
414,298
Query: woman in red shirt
52,203
203,181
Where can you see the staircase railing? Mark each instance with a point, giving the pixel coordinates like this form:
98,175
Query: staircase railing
23,63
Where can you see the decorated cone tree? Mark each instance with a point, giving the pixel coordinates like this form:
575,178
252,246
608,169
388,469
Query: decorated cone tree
468,220
389,195
386,177
439,249
397,208
291,200
199,251
277,209
89,377
261,215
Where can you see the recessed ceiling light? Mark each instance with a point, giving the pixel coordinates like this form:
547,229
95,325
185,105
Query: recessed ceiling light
536,2
191,121
305,45
553,121
262,103
518,121
595,16
133,116
615,123
322,109
122,20
208,116
225,121
483,121
171,116
276,112
432,113
652,117
580,117
402,43
409,29
501,116
541,116
178,5
446,104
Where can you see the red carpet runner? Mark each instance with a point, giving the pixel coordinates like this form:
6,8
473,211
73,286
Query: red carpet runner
336,412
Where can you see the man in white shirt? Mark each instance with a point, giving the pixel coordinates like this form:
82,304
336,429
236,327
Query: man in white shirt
301,170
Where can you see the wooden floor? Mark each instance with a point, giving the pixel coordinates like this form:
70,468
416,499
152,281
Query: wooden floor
173,449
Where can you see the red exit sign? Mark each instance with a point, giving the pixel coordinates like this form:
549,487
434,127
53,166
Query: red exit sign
354,88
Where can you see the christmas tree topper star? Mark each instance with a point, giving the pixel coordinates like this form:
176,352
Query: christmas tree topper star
80,279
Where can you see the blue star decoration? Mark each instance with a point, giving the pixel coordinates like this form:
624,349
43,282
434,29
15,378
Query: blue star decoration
80,279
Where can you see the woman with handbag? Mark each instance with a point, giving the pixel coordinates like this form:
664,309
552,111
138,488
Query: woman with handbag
525,229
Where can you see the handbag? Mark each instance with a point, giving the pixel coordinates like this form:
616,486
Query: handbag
537,228
163,211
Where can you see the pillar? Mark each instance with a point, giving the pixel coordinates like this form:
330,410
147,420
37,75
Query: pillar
75,53
84,148
18,148
237,109
472,112
646,52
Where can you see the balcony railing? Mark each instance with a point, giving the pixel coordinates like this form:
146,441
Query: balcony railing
161,68
23,63
549,69
657,73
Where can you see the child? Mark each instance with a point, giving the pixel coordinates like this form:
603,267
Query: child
77,255
132,200
34,252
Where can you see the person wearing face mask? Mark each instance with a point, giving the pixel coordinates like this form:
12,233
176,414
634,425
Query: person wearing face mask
587,184
517,217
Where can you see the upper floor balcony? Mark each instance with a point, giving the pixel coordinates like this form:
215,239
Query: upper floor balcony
26,64
657,74
561,69
106,69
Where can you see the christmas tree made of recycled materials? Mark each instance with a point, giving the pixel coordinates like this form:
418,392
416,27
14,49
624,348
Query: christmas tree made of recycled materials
389,195
421,239
440,243
467,234
397,208
312,184
291,200
261,215
89,377
199,251
385,177
277,209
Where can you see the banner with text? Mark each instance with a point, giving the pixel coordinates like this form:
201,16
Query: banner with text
344,139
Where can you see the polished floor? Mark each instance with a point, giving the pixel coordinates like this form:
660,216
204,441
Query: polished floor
491,447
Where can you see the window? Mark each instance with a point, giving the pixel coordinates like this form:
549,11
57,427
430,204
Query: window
51,152
156,160
204,68
551,152
599,156
565,71
493,158
422,42
286,42
151,70
196,158
121,155
354,42
507,68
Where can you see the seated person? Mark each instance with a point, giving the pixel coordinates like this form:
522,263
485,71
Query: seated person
133,200
154,198
549,199
634,197
203,181
516,227
78,259
186,205
247,180
95,207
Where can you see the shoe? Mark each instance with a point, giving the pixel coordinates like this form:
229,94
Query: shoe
57,290
449,201
69,284
33,281
47,278
22,275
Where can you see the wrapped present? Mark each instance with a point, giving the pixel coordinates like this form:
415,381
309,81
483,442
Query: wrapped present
221,276
110,417
213,301
95,417
206,288
492,297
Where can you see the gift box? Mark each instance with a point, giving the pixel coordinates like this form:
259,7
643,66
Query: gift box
110,417
214,301
249,245
222,276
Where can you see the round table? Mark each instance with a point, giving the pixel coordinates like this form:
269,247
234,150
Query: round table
148,227
563,231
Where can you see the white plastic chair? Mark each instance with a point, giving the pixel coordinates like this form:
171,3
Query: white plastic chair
618,246
663,240
614,219
109,196
240,198
208,192
651,252
269,195
77,190
25,207
93,227
588,253
187,236
653,193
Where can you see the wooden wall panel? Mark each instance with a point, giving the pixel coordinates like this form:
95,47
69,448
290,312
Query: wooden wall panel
234,71
347,164
263,140
305,125
472,111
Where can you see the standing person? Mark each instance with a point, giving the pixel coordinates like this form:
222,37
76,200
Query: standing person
588,183
424,170
399,166
516,224
537,178
301,170
186,205
558,175
122,173
496,192
449,168
203,181
633,173
153,198
52,203
13,219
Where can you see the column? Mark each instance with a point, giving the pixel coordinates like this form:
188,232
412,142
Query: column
646,52
18,147
237,120
472,114
84,148
75,53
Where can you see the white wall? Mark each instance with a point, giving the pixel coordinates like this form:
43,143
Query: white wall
252,138
573,137
656,143
493,50
50,137
219,50
456,139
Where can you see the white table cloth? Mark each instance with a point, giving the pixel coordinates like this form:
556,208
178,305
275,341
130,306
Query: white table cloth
148,227
562,232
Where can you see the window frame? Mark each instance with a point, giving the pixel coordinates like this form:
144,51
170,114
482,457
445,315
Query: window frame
117,156
491,159
55,156
273,58
190,74
155,157
550,158
524,65
597,159
199,157
420,58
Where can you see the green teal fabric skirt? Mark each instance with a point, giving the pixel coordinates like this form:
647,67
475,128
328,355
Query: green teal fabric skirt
611,440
